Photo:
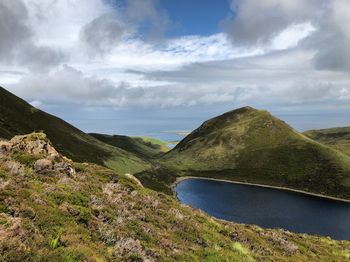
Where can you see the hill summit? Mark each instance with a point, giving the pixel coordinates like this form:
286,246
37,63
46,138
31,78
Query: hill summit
252,145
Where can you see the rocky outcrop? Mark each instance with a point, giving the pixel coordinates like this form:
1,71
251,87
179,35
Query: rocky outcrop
43,165
36,145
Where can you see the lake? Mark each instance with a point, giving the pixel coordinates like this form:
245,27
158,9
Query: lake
267,207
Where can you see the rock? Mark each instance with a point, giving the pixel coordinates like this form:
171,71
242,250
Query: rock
280,238
43,165
27,212
96,202
177,213
37,199
3,183
14,167
35,143
134,179
12,228
125,246
66,168
89,259
4,146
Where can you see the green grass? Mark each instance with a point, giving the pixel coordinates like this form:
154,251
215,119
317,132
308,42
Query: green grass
253,146
98,215
143,147
18,117
161,145
337,138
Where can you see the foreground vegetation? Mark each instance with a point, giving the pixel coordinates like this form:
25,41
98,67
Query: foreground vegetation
52,209
18,117
250,145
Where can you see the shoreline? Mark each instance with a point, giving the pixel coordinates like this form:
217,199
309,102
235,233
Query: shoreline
180,179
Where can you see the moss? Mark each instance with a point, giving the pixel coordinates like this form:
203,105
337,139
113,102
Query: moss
36,136
84,215
4,208
238,246
26,159
64,194
3,173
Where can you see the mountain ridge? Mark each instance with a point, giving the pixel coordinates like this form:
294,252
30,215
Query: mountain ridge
143,147
335,137
19,117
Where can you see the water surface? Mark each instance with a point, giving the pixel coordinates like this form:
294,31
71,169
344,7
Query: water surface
267,207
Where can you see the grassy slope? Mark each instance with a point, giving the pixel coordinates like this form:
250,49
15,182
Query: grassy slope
18,117
96,215
143,147
253,146
338,138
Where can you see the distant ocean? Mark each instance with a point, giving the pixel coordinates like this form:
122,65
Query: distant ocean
163,130
165,123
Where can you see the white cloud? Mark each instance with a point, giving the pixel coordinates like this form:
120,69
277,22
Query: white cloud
291,36
91,53
260,21
257,22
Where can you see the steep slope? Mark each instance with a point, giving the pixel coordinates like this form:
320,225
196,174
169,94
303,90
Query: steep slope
143,147
19,117
252,145
337,138
52,209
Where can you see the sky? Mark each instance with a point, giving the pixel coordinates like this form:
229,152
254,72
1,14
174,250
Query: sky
142,67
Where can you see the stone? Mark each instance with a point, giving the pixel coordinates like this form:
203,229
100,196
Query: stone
66,168
4,146
43,165
14,167
35,143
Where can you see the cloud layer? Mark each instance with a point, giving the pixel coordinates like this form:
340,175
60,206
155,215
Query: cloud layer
17,45
272,53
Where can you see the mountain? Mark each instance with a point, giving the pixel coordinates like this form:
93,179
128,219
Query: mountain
253,146
19,117
338,138
53,209
144,147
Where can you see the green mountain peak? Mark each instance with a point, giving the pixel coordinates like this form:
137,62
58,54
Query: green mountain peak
254,146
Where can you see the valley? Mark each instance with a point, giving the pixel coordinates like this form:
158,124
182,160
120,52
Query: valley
66,195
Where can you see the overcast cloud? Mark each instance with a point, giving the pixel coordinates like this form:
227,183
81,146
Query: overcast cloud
17,45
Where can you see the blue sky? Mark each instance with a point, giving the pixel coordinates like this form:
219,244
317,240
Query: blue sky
147,66
197,17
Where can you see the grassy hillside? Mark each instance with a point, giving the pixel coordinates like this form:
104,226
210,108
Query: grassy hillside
52,209
143,147
18,117
337,138
253,146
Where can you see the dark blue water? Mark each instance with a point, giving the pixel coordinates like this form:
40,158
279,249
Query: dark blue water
267,207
